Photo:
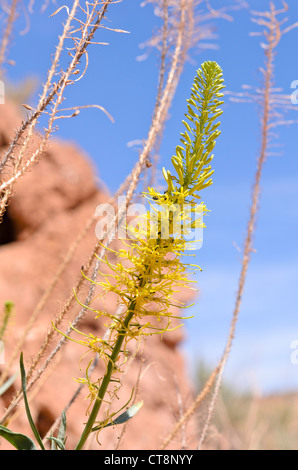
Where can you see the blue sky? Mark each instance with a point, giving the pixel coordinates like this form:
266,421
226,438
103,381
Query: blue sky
126,87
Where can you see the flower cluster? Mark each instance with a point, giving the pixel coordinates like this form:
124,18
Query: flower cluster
149,267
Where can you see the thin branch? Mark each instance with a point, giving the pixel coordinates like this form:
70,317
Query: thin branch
7,33
20,163
193,408
157,124
273,39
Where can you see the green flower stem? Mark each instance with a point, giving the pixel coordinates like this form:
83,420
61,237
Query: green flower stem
107,378
111,365
192,164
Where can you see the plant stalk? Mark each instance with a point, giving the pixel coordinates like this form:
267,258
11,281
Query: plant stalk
107,378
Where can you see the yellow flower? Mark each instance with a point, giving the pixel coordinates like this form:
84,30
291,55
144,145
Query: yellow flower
150,266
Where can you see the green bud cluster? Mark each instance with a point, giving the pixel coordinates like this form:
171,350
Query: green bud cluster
192,161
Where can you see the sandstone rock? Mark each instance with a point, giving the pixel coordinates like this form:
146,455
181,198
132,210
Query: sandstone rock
10,121
51,204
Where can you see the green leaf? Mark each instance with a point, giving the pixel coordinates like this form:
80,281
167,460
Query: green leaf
19,441
62,427
31,422
57,441
128,414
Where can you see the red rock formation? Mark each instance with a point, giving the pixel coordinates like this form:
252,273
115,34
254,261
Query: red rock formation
50,206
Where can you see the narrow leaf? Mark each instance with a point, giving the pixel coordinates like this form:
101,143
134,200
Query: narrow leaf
128,414
19,441
62,428
31,422
57,441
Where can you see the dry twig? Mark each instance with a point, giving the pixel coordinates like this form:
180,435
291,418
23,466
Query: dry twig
273,34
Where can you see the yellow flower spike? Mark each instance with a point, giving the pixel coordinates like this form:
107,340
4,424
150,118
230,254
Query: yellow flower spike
145,286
